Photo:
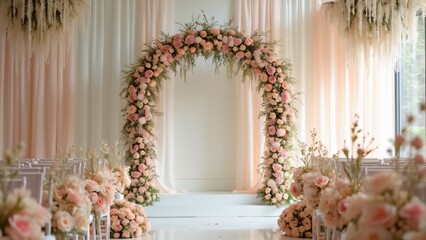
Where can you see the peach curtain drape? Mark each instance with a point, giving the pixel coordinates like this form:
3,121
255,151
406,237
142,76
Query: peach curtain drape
36,98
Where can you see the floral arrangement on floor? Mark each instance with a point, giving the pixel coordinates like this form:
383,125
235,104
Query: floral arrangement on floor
128,220
39,23
21,217
296,220
224,45
71,206
316,173
375,27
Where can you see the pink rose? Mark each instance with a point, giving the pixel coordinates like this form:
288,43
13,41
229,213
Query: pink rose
237,41
149,73
142,167
321,181
126,234
20,227
177,44
413,211
224,48
277,167
271,130
203,34
341,207
296,189
268,87
272,79
208,46
215,31
378,214
263,77
285,97
74,196
271,70
281,132
240,54
381,182
285,85
248,41
132,89
131,109
165,48
135,174
134,117
92,186
189,39
192,50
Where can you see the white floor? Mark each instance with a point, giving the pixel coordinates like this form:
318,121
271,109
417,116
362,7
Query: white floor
209,228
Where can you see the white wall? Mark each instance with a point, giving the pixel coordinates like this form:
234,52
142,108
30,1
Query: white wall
204,113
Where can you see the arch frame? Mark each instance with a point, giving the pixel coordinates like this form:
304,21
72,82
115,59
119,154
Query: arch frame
224,45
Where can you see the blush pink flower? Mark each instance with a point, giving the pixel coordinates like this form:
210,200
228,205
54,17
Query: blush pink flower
248,41
240,54
189,39
296,189
149,73
378,214
208,46
412,212
237,41
271,130
321,181
203,34
285,85
20,227
381,182
215,31
165,48
268,87
224,48
272,79
277,167
281,132
135,174
285,97
271,70
131,109
142,167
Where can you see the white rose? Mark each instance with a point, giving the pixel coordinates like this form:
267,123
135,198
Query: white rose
136,155
64,221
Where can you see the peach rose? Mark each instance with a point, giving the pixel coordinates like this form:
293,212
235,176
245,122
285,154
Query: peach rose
20,227
378,214
413,211
381,182
64,221
321,181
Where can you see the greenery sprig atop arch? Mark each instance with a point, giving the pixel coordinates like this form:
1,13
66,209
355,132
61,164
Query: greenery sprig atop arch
224,45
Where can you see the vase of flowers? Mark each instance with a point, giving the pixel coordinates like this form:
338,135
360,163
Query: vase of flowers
71,208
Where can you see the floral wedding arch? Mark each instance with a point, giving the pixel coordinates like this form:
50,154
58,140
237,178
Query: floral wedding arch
225,46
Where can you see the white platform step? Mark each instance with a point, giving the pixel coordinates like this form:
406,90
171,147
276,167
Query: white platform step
211,204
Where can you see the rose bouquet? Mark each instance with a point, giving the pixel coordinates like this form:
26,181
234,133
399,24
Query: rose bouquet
71,206
128,220
99,183
121,178
332,201
295,220
389,207
315,174
386,210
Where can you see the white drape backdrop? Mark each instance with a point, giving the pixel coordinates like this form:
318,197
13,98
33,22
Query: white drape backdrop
113,36
37,99
251,16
